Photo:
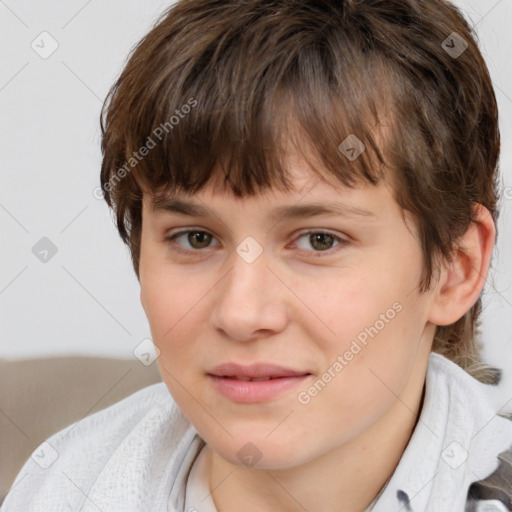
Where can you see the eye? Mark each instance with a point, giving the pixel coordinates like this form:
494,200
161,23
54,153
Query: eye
321,241
196,239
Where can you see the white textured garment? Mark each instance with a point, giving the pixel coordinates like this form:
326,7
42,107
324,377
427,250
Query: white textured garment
137,454
197,494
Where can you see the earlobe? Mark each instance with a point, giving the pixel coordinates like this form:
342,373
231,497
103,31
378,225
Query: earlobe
462,280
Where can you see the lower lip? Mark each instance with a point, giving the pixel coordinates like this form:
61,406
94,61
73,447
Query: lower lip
245,391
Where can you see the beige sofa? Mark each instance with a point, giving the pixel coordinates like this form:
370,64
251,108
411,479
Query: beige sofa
38,397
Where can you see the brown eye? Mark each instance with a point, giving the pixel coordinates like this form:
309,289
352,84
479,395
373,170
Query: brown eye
321,241
318,242
190,241
198,239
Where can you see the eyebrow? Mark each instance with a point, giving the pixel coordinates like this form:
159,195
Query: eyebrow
191,209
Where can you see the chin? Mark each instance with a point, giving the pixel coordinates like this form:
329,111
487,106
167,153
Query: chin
258,452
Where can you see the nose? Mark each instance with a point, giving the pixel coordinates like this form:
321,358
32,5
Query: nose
251,301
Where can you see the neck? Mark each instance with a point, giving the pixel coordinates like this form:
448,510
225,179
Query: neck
346,479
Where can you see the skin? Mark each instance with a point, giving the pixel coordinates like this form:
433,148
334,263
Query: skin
296,310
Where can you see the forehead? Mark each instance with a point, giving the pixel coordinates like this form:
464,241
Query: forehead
310,195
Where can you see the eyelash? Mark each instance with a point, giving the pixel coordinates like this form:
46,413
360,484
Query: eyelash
328,252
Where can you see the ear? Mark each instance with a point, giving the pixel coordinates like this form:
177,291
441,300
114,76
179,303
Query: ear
462,280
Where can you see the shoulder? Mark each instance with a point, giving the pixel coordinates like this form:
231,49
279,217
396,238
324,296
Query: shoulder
75,456
494,492
116,421
496,489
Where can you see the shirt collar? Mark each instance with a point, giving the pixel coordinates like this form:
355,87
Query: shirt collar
456,442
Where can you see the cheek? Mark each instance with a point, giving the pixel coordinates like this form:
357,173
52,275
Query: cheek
173,321
344,307
361,379
176,307
166,293
160,305
370,329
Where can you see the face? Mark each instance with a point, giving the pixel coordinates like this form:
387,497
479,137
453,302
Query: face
294,333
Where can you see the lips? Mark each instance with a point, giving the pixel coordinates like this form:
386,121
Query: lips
254,372
256,383
249,379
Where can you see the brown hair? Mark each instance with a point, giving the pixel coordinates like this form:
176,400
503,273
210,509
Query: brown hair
219,88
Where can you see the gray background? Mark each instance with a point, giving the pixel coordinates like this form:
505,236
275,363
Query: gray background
85,299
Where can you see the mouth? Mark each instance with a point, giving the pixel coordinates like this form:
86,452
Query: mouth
248,379
255,371
259,382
